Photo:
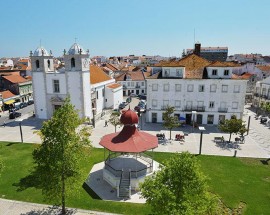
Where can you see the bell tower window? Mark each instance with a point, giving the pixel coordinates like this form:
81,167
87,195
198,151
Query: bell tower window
49,64
72,62
37,64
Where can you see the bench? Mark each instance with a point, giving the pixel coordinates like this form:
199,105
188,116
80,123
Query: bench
218,139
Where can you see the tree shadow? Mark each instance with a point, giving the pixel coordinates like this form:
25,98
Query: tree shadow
265,162
90,191
50,210
13,143
31,180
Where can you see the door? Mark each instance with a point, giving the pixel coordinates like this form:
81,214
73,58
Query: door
210,119
199,119
124,93
137,92
188,119
154,117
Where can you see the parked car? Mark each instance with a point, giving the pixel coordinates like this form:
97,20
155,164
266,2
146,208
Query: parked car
14,115
23,104
30,102
122,106
264,120
132,95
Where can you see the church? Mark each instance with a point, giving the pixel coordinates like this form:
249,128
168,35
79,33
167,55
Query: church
90,92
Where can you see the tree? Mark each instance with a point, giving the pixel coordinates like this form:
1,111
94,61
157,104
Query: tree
115,119
179,188
57,159
170,121
233,125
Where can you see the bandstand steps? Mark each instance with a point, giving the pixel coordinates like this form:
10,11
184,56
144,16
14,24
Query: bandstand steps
124,186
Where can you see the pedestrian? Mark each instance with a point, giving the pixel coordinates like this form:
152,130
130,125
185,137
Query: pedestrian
4,125
106,123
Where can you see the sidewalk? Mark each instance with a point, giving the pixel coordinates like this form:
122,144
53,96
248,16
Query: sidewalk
11,207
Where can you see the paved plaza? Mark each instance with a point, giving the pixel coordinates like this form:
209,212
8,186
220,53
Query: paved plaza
257,143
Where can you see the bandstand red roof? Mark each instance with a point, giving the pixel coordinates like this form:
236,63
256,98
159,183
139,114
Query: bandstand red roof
129,139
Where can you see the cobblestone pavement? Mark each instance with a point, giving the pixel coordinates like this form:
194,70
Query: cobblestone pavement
10,207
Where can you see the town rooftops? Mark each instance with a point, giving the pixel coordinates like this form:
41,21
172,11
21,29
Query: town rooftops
97,75
264,68
15,79
114,86
134,76
7,94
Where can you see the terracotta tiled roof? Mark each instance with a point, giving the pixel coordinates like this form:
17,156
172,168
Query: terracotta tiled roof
234,76
29,78
7,94
154,76
97,75
135,76
23,60
15,78
223,64
114,86
264,68
111,67
21,67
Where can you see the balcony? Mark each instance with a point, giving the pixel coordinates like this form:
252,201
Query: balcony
223,110
256,94
137,86
124,86
194,108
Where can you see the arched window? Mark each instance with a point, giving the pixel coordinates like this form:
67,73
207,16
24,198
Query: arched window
72,62
37,64
49,64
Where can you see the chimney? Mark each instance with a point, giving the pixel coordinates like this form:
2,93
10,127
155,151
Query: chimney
197,49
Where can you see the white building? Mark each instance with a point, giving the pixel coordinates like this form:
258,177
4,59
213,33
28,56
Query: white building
262,92
51,86
199,90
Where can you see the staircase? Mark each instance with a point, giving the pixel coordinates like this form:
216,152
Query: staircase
124,186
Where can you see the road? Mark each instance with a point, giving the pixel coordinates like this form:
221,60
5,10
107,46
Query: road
5,116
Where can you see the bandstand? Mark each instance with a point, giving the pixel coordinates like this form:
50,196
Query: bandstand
125,163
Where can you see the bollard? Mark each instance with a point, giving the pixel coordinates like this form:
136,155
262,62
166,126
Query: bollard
235,152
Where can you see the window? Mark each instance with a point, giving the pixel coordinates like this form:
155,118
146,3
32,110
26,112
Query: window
154,87
226,72
224,88
178,72
49,64
37,64
201,88
165,103
200,103
97,94
211,104
177,103
142,83
56,88
132,84
210,119
167,72
154,103
214,72
190,88
236,89
234,105
166,87
103,92
178,87
213,88
128,83
72,62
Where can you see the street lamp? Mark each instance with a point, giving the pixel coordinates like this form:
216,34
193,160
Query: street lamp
201,128
249,116
20,124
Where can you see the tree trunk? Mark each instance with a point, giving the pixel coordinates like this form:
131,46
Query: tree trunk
170,134
63,195
230,137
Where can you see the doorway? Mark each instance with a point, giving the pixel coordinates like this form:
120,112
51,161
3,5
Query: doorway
199,119
188,118
154,117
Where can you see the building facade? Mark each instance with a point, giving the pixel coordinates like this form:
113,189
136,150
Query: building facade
200,91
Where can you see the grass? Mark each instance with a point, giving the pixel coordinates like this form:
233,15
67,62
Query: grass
235,180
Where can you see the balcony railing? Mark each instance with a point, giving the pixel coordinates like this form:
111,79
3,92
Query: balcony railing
137,86
223,110
194,108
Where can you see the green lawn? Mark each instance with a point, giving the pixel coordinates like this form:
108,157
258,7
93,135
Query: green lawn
233,179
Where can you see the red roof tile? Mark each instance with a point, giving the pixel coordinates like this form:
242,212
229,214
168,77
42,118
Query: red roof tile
97,75
135,76
114,86
15,79
7,94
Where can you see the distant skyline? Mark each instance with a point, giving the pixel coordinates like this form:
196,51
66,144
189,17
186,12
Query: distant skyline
140,27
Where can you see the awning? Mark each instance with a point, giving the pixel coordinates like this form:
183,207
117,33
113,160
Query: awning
9,102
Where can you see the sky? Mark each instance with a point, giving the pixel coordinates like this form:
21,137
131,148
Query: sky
140,27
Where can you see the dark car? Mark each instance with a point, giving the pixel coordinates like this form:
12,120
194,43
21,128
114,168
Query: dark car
122,106
30,102
264,120
14,115
23,104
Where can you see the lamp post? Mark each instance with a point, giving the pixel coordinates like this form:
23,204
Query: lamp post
201,129
20,124
249,116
